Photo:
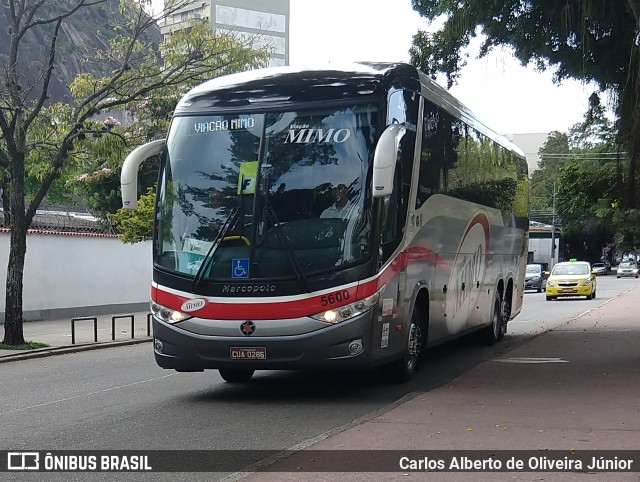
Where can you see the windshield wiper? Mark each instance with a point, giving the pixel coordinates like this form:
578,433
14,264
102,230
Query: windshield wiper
287,247
231,220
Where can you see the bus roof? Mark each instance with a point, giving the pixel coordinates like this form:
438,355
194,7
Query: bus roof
295,84
341,72
260,87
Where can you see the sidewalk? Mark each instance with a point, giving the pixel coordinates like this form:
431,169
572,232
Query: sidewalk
577,387
59,336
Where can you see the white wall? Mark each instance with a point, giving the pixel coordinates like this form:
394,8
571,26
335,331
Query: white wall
79,275
541,248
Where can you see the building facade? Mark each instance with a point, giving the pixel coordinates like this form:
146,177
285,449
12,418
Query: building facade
264,21
530,144
541,249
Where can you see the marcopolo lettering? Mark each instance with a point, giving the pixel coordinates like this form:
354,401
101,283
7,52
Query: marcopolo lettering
255,288
317,136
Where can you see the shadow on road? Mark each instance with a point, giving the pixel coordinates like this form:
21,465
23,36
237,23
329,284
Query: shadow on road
437,367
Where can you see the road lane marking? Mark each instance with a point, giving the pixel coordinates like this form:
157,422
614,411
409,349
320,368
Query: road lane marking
525,359
52,402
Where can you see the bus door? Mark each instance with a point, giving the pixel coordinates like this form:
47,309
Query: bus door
402,108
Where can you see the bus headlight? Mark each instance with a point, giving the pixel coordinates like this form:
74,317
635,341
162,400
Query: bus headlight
343,313
167,314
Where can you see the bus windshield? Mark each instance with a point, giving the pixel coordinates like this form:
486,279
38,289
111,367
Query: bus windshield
266,195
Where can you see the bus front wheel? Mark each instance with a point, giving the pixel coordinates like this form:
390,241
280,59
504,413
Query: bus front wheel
236,375
401,371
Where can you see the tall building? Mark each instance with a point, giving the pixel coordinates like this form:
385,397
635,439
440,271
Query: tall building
265,20
530,144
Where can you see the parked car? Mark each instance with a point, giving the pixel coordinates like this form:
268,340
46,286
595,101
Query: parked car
534,278
600,268
571,278
627,269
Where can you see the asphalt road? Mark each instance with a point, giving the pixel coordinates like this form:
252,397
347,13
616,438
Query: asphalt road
117,398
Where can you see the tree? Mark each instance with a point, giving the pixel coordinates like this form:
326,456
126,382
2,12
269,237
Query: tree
585,167
584,185
136,225
97,182
553,155
138,72
588,40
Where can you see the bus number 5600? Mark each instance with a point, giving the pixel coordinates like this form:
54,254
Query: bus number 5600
333,298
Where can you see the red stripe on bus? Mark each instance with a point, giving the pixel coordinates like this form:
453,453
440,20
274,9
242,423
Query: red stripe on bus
254,309
425,254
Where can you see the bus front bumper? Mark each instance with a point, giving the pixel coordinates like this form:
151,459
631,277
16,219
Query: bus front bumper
347,345
558,291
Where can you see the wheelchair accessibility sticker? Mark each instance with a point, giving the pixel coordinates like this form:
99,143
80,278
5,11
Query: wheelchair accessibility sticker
240,268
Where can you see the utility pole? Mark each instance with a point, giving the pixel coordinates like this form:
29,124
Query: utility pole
553,228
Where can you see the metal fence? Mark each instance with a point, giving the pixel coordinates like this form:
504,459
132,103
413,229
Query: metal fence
68,222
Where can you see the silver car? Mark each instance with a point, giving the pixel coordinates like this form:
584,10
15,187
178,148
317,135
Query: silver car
627,270
600,268
534,278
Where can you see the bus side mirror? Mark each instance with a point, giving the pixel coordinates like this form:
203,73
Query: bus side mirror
129,175
384,160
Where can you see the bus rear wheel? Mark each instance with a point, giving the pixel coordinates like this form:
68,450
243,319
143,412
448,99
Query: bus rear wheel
494,333
236,375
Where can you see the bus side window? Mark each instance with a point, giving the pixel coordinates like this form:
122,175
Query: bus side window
433,174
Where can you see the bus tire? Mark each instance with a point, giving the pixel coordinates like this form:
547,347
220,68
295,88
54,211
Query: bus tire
401,371
494,333
236,375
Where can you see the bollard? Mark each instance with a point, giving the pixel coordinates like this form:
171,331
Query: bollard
113,325
73,328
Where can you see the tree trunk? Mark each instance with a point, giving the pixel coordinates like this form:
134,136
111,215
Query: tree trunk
631,195
6,207
13,330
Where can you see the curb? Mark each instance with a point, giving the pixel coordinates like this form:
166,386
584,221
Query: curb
61,350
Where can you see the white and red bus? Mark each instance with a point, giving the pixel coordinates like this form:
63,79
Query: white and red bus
340,218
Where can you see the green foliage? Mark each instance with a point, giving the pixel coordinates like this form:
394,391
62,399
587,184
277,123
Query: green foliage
210,54
136,225
49,150
30,345
586,167
587,40
553,155
101,155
